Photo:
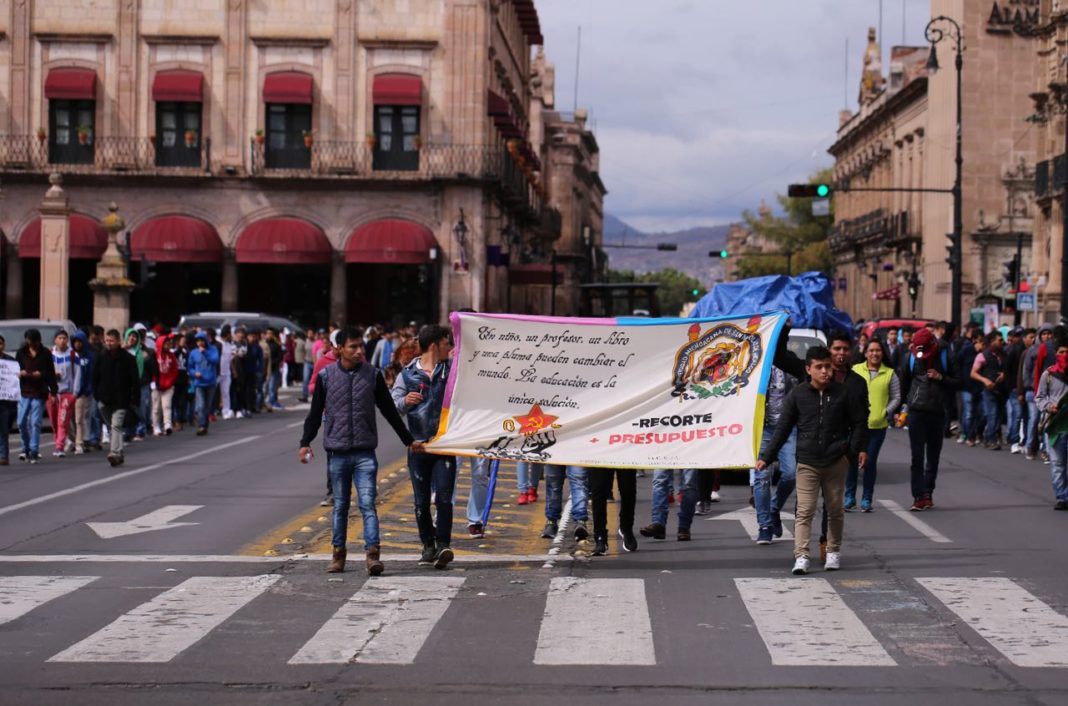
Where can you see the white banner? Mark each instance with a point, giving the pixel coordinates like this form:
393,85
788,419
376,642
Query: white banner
10,389
618,393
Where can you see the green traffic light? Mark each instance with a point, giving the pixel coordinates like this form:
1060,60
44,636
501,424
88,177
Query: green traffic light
723,254
695,292
823,191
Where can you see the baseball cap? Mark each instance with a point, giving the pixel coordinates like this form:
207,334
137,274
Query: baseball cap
924,343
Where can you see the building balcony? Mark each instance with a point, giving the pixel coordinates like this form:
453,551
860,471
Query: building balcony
871,226
104,155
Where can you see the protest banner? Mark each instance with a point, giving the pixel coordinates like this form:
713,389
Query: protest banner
10,389
616,393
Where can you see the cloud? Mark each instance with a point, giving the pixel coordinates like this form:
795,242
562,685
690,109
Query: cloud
703,109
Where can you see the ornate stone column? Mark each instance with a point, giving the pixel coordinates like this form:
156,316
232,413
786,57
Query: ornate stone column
339,291
111,287
55,251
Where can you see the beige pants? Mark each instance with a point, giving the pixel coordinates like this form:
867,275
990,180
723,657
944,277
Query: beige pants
811,480
82,405
161,409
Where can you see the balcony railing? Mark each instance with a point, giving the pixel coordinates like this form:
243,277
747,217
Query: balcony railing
355,160
109,155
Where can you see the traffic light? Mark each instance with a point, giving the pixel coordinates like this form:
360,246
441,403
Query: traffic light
809,191
147,272
667,247
695,291
722,254
1008,271
952,252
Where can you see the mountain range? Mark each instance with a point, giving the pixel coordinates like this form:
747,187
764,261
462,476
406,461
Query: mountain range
694,244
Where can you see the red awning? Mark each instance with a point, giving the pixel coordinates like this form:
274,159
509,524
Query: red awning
71,84
497,105
178,86
391,241
288,87
176,239
283,241
398,89
88,239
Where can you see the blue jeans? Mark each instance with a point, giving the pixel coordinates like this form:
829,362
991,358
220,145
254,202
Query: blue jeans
662,482
578,482
345,468
990,411
476,502
787,479
6,409
308,368
202,406
968,402
1031,425
1058,455
1013,414
273,384
876,437
528,475
30,412
144,411
437,474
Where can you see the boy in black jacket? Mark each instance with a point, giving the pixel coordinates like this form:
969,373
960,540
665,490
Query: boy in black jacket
831,425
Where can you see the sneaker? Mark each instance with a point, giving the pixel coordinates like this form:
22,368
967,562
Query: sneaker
475,531
654,530
157,432
524,498
971,443
1015,449
683,535
715,496
532,495
58,453
79,450
764,536
551,528
600,546
581,533
201,431
139,437
961,439
776,524
833,561
429,554
865,505
1029,456
849,504
114,460
630,543
928,502
1061,505
228,416
35,458
443,557
800,566
168,431
918,504
699,508
23,456
327,501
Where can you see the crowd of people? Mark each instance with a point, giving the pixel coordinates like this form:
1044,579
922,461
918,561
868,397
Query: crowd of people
826,420
105,389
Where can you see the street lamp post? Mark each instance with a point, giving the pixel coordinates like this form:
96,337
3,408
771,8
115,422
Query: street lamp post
935,35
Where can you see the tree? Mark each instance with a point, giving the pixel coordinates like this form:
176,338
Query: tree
676,288
798,232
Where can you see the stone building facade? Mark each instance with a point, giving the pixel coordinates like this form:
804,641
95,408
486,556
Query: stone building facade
904,136
366,160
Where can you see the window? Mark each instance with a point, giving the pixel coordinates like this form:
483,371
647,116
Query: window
397,137
71,129
286,125
178,134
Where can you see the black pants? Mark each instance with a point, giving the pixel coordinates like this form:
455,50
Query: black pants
601,488
925,435
707,482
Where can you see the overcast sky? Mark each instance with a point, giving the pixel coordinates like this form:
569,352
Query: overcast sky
704,107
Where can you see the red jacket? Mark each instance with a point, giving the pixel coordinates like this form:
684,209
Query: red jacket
168,365
325,359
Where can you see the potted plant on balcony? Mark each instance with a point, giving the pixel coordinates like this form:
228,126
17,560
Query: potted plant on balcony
84,133
370,139
260,136
190,138
309,138
41,134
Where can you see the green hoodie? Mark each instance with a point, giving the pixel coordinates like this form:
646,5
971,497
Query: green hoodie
137,351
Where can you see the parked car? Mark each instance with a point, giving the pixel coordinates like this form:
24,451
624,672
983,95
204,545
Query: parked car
250,320
801,339
879,327
14,331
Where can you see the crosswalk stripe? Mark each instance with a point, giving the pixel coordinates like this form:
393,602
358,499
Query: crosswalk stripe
804,622
385,622
162,628
1020,626
21,594
577,612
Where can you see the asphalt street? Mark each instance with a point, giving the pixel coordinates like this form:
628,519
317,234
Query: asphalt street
170,579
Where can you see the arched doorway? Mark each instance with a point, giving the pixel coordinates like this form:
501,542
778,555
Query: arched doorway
187,256
392,273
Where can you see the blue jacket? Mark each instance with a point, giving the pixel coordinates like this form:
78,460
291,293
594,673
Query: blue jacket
83,367
424,417
254,359
205,362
